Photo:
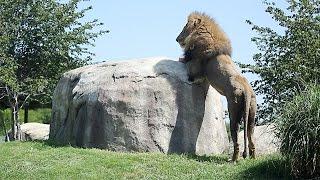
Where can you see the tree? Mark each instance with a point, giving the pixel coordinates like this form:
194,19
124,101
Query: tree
39,40
288,60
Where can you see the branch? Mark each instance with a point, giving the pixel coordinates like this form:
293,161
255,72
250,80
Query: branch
24,102
2,96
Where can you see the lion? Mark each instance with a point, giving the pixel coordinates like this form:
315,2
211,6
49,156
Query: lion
207,54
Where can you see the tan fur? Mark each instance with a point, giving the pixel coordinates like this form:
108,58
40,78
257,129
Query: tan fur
203,36
208,54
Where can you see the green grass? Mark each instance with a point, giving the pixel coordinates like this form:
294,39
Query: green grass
39,160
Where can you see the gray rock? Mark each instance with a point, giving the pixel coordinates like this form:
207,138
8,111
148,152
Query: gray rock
265,140
144,105
33,131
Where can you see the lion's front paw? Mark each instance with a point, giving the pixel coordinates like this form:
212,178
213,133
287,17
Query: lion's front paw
182,59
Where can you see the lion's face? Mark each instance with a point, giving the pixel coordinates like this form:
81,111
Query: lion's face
186,32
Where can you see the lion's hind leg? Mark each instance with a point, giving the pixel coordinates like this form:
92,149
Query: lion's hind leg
251,125
235,117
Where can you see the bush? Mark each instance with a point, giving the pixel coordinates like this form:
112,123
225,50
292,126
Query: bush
298,128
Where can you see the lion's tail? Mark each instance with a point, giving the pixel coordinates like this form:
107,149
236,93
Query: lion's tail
246,108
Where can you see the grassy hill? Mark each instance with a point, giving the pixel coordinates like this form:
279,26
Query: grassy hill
38,160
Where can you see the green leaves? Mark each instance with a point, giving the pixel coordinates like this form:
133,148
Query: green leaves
286,60
40,40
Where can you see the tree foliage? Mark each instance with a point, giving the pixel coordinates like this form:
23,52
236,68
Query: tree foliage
288,60
40,40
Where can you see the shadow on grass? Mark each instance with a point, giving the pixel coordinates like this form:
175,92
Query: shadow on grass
221,159
56,145
45,143
274,167
266,167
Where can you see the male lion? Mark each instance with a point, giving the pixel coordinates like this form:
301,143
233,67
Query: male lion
207,54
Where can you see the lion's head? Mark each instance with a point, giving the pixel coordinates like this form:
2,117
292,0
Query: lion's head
203,36
187,31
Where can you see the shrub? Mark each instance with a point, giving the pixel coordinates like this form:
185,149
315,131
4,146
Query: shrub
298,128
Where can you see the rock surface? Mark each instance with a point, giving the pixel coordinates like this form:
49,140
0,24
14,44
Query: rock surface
34,131
144,105
265,140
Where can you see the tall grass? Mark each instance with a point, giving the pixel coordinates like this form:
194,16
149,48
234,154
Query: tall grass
298,128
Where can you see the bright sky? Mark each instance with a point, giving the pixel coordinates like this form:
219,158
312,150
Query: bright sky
145,28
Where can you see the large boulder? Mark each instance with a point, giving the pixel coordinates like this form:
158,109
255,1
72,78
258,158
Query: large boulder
139,105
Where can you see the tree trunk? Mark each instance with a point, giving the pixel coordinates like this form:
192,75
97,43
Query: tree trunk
16,130
26,111
13,127
5,129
